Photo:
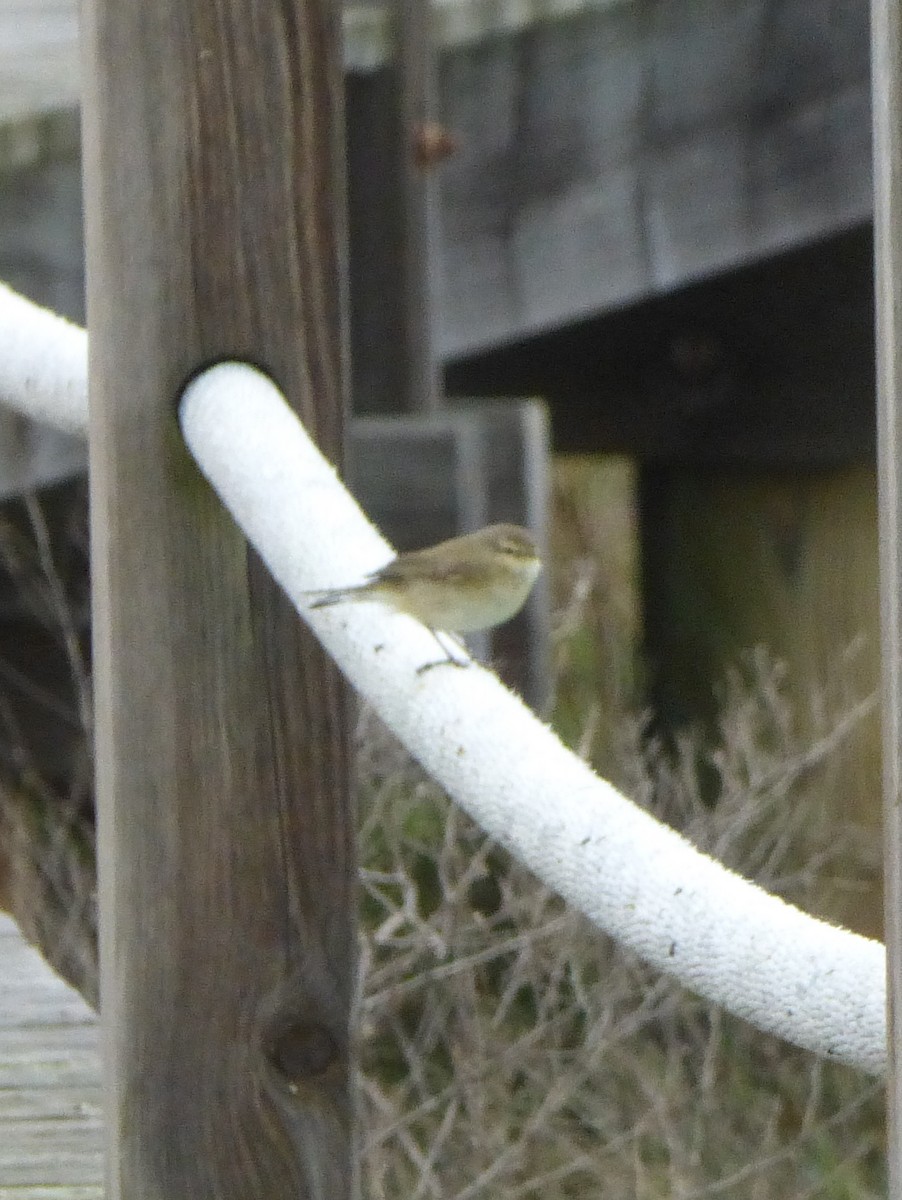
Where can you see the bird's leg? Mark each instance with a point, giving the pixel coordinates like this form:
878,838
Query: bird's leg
449,660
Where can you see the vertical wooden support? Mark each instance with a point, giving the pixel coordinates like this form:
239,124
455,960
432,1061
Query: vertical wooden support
392,205
214,198
886,57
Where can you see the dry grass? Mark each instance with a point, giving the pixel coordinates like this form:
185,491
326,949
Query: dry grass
511,1050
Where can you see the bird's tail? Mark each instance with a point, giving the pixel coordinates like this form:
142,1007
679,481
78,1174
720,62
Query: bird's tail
333,596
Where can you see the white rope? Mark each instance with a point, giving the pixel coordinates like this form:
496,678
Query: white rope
818,986
786,972
43,364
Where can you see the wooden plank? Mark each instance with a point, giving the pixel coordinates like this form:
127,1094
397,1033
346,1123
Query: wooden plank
624,151
214,201
886,35
50,1092
771,365
63,1192
36,1153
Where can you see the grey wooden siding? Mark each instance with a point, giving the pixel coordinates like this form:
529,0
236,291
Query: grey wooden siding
609,150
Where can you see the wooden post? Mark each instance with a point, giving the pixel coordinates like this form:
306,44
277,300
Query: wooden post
392,203
214,198
886,59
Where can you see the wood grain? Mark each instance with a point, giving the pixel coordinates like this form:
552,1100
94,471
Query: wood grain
214,200
50,1098
886,44
632,148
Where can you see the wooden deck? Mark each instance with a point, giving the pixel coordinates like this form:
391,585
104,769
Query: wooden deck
50,1105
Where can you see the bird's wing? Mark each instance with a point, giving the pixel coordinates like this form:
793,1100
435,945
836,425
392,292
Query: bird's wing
421,564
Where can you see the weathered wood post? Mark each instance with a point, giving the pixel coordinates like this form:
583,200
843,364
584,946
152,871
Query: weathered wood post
215,228
391,200
886,59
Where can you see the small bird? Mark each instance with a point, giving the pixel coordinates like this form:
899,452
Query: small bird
465,584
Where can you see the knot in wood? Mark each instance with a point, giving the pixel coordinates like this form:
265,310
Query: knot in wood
301,1050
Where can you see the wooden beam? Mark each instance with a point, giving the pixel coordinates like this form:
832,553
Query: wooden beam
633,148
770,366
392,211
214,198
610,150
886,50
